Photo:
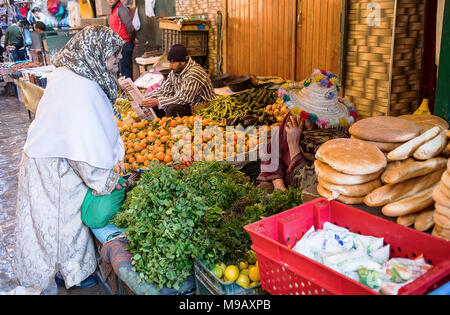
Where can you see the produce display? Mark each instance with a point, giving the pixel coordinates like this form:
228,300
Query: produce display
123,104
245,108
153,141
25,65
277,110
173,216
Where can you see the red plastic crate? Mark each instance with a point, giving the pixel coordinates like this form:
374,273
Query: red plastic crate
285,272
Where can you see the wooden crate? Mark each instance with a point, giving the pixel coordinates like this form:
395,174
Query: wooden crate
382,63
195,42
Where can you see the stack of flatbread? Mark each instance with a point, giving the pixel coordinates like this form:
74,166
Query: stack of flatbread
441,196
385,132
348,170
415,170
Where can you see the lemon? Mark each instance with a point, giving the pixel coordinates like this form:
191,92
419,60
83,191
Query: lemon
243,265
255,284
222,266
245,272
251,254
254,274
231,274
217,271
243,281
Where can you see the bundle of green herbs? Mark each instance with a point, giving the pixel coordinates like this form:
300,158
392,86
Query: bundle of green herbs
200,211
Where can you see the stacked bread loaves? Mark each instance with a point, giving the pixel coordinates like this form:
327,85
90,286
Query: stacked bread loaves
415,170
385,132
441,196
348,170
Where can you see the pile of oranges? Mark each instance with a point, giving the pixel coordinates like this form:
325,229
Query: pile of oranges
147,142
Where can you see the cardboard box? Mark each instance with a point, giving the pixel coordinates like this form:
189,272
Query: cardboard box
102,7
95,21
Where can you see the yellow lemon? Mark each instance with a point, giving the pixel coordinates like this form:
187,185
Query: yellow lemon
243,265
254,274
243,281
231,273
222,266
255,284
245,272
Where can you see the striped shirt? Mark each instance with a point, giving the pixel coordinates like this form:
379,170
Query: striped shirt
192,86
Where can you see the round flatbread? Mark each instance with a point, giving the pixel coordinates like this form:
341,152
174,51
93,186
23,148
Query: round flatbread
383,146
440,197
442,209
332,176
427,122
385,129
446,179
344,199
436,233
442,232
351,156
361,190
441,220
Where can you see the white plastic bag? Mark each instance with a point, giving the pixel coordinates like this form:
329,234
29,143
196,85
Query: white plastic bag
136,22
149,8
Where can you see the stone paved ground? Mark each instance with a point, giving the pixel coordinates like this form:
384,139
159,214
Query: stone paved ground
14,123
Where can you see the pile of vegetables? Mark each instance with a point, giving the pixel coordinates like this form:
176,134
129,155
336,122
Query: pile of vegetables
172,216
245,108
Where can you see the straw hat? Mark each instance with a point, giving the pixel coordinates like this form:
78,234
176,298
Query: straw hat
316,100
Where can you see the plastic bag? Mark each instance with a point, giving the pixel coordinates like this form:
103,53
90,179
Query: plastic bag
150,8
136,22
97,211
27,37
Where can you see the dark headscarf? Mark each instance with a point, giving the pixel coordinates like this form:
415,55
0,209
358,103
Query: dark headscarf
86,54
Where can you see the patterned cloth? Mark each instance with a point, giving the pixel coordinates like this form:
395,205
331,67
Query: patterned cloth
192,86
49,234
86,54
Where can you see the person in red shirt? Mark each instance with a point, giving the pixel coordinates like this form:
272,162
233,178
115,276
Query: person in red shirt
121,22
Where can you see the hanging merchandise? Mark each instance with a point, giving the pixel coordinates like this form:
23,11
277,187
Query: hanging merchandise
150,8
136,21
27,37
74,14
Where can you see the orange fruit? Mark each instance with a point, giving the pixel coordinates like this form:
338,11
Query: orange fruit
164,139
131,160
126,166
160,156
167,159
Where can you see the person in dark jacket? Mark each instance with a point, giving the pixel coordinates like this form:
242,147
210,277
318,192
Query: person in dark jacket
14,41
120,21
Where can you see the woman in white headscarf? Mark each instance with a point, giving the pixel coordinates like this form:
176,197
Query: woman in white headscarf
73,144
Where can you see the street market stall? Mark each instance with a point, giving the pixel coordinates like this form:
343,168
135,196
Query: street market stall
353,179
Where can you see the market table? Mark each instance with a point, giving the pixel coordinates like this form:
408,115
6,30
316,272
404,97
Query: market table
32,94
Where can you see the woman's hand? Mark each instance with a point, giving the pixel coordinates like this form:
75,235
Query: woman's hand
278,184
294,130
150,103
